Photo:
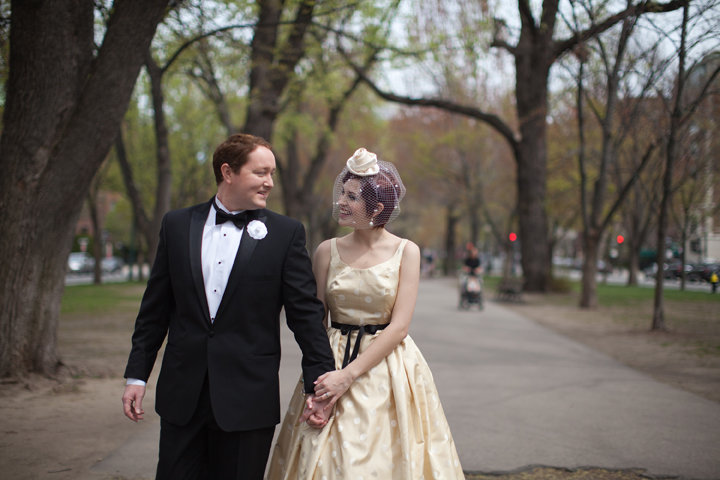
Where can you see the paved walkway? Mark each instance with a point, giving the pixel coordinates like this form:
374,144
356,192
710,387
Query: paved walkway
517,394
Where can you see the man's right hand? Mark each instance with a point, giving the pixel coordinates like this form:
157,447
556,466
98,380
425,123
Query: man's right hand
132,402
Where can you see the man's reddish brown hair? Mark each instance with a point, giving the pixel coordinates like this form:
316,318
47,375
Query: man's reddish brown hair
234,151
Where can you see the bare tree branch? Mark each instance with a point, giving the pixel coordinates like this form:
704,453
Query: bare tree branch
621,198
497,43
493,120
135,199
561,46
210,33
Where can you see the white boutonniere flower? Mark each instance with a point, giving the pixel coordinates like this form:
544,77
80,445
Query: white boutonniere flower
257,230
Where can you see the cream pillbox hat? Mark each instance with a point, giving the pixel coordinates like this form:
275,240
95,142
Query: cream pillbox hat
363,163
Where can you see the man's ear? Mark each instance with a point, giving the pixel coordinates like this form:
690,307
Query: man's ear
226,171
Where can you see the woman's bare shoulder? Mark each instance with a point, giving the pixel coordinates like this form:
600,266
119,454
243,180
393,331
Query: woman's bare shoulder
323,250
411,250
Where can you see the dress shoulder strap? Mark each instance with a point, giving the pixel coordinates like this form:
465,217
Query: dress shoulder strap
334,255
400,249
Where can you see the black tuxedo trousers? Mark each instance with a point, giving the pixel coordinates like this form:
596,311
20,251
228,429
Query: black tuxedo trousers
238,351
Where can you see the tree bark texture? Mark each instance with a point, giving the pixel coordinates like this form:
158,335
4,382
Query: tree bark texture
588,295
638,218
633,267
62,113
533,59
163,192
596,223
451,220
139,215
658,321
683,240
97,240
273,65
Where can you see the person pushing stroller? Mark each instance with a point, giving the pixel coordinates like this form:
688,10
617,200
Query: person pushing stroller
471,281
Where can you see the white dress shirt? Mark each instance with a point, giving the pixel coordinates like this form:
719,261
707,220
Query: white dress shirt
220,244
219,247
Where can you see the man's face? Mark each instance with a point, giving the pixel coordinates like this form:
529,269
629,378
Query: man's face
249,188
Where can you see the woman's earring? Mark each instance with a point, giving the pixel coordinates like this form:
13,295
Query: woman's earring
371,224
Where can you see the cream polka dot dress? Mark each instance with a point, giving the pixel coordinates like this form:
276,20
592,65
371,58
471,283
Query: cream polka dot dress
389,424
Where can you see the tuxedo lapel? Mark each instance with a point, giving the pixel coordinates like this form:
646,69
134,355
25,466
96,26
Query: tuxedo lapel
197,226
245,251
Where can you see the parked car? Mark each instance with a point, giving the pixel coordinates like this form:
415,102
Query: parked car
693,272
603,267
690,271
708,269
80,262
668,270
112,264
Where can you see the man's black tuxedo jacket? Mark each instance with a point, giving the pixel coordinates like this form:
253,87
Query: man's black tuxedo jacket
240,350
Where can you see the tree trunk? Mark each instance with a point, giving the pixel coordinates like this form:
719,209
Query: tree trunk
588,296
683,236
658,321
290,176
140,217
508,249
62,112
552,242
451,220
633,264
273,65
163,192
532,66
532,217
473,212
97,240
633,215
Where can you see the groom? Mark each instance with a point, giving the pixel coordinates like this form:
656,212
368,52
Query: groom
218,284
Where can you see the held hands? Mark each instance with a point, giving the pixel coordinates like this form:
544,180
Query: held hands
132,402
331,385
315,413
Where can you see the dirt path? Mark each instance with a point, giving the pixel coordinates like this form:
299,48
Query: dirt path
57,429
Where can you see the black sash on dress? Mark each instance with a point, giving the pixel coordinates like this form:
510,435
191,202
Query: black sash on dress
345,329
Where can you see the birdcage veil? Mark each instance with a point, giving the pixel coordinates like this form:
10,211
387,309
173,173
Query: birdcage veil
367,193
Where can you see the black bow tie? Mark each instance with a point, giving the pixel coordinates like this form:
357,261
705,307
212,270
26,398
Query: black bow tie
239,219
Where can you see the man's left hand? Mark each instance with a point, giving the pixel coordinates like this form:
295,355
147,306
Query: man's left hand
315,413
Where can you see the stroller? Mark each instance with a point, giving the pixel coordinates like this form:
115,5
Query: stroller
471,288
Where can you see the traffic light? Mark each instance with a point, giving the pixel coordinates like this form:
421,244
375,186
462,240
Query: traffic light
512,236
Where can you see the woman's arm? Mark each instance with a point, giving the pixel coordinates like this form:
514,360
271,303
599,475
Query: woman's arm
336,383
321,264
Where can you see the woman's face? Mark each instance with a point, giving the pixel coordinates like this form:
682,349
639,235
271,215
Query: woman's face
352,212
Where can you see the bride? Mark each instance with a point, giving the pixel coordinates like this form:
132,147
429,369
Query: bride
388,421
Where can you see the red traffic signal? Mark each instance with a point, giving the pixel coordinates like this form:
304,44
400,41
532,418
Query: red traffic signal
620,239
512,236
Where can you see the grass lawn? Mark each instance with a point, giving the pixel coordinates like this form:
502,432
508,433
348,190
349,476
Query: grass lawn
96,325
692,317
94,299
609,295
612,295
